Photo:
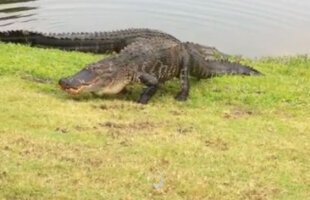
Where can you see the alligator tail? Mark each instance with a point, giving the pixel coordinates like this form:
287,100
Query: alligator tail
23,37
95,42
217,68
68,41
40,40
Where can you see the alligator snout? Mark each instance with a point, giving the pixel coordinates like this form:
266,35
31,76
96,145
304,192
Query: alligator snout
68,85
64,83
80,82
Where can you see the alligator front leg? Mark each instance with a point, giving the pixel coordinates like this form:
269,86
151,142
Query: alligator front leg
152,85
184,76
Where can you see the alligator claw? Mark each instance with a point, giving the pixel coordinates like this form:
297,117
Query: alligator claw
142,101
181,97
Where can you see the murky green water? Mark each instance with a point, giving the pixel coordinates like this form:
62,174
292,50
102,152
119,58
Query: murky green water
248,27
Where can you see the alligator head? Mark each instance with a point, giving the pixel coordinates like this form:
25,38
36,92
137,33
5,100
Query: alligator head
102,77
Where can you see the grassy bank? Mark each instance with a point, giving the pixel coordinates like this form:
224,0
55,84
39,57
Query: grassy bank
235,138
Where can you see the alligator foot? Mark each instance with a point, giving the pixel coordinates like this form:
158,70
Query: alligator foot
142,101
152,85
184,75
181,97
147,94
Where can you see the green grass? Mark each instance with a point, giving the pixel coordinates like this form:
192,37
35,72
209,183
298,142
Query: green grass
235,138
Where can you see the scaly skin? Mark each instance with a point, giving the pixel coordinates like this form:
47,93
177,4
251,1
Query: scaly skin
207,62
150,62
96,42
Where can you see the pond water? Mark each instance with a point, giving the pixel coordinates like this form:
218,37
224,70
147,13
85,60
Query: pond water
252,28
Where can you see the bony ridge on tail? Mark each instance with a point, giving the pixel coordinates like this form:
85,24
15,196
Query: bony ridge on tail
145,56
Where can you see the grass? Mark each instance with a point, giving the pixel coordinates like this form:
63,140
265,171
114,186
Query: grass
235,138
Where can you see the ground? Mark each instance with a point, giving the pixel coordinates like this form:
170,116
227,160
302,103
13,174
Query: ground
235,138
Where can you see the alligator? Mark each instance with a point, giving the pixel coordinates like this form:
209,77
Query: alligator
145,56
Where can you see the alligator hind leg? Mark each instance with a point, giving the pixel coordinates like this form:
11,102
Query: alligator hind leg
152,85
184,76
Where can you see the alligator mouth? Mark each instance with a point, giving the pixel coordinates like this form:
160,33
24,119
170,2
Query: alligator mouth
76,90
73,90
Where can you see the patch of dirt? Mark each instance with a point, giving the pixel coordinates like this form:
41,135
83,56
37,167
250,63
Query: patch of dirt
22,142
61,130
264,193
273,157
111,125
94,162
26,147
218,90
237,113
125,143
67,159
142,125
184,130
103,107
260,92
176,112
7,148
134,125
117,129
3,175
81,128
119,107
164,162
217,144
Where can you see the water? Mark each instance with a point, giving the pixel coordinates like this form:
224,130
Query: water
252,28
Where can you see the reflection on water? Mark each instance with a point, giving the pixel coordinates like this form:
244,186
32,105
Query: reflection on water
13,1
15,11
14,17
248,27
